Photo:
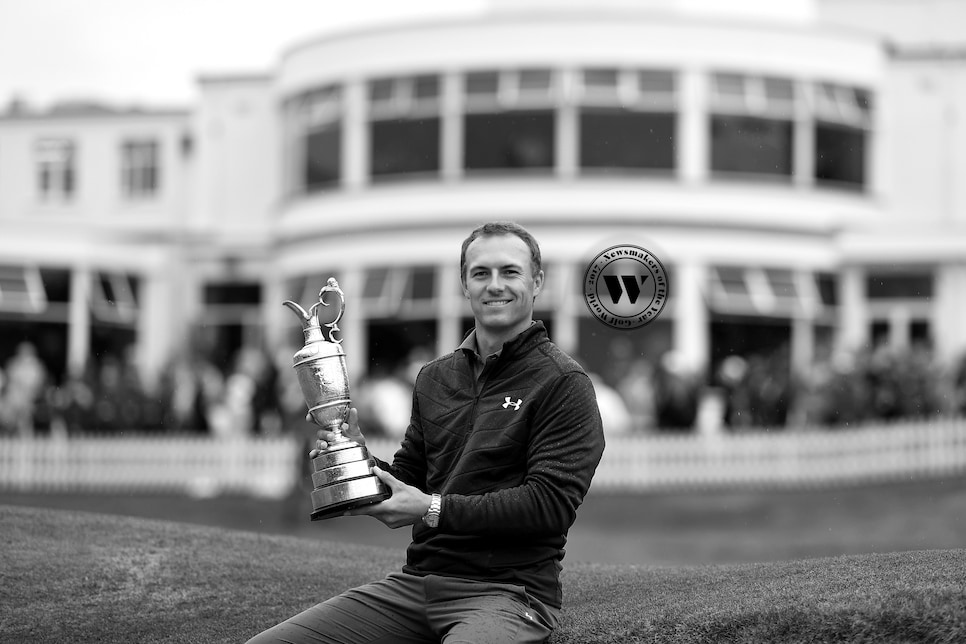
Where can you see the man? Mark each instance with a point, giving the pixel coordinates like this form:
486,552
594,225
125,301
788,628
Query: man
503,441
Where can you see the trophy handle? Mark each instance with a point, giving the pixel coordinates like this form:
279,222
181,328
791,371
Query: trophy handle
332,286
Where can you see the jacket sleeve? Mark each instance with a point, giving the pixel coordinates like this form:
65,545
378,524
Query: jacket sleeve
566,445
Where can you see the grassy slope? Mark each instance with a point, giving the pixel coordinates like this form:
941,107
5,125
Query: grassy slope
77,577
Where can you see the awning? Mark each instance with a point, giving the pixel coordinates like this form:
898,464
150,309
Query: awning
22,289
764,291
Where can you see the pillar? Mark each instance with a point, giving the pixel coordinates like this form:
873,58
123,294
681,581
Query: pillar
691,330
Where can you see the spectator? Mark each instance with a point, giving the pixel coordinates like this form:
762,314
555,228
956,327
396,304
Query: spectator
637,390
676,394
26,378
613,412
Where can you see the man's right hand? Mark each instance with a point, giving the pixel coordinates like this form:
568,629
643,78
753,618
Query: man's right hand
350,429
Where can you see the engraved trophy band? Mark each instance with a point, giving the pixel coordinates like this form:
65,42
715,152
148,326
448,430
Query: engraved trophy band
341,475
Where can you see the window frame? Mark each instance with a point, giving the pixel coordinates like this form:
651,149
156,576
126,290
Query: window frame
770,101
394,100
56,167
318,113
140,168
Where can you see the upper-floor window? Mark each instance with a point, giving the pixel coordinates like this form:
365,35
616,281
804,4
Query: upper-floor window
843,118
139,169
752,124
627,119
589,121
404,126
56,169
318,134
509,120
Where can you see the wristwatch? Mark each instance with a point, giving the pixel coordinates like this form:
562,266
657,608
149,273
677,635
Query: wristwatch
432,515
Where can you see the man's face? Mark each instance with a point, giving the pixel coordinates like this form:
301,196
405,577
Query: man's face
500,283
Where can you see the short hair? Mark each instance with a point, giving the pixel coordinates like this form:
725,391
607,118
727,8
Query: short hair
503,228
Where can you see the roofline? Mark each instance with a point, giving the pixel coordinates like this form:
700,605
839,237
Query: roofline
581,16
929,53
131,113
240,77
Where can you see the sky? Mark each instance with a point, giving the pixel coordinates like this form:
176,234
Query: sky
136,52
151,53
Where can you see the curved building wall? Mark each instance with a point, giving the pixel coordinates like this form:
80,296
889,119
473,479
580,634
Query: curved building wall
728,149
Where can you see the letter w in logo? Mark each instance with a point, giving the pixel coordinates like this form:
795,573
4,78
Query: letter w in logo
613,283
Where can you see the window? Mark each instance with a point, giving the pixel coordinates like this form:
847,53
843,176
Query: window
233,294
752,125
404,126
879,332
139,169
56,169
409,291
909,286
627,119
228,303
916,332
842,122
827,286
510,120
920,333
318,123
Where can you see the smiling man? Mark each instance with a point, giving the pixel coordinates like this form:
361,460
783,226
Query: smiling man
501,278
503,441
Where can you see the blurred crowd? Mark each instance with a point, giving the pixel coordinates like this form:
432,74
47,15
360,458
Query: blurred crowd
194,395
761,391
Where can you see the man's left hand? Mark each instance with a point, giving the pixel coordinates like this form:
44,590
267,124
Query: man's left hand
406,506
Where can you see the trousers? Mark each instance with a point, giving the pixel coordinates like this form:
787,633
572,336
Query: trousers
408,608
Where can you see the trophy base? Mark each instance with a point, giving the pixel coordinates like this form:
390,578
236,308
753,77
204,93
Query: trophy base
346,485
341,508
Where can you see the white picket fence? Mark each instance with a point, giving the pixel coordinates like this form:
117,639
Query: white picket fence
269,467
786,458
198,466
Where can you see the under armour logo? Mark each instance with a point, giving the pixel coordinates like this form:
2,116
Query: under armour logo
515,405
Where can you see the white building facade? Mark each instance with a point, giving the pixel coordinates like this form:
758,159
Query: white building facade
796,176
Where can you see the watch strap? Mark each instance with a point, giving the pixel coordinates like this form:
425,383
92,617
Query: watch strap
431,517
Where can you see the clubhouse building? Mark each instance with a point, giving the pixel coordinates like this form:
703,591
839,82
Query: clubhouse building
795,166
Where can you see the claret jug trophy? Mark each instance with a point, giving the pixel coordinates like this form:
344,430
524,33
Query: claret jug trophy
341,475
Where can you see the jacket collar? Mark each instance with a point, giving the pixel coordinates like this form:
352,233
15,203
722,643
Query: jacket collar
530,337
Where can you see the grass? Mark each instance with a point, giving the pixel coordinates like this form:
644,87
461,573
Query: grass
85,577
667,528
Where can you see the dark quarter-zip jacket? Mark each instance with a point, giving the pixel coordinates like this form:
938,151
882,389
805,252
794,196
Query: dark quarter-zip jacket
512,452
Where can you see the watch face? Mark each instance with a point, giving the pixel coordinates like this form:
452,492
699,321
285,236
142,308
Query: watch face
431,520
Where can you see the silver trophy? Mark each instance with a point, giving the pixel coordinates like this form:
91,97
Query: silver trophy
341,475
